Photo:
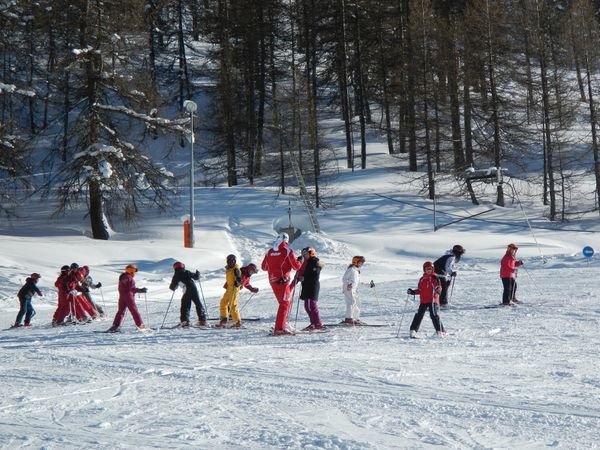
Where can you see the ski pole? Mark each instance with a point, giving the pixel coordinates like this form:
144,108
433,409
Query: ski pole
291,301
402,316
451,289
103,302
537,288
381,311
147,313
247,301
203,299
297,309
168,307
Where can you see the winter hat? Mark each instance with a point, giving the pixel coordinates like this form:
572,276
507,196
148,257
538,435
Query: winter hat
64,269
131,269
178,265
35,276
515,246
427,264
86,270
458,250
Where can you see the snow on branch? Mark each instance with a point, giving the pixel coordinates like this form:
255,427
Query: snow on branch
12,89
179,125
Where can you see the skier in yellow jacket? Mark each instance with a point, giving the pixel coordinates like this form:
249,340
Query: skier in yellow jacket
229,302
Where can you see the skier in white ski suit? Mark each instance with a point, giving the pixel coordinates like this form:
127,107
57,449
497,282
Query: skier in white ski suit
350,282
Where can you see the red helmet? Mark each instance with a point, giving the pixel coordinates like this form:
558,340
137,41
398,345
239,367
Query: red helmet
178,265
35,276
251,268
427,264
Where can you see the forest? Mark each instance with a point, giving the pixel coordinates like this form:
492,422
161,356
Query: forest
449,86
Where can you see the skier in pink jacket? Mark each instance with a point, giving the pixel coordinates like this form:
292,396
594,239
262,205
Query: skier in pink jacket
508,274
127,291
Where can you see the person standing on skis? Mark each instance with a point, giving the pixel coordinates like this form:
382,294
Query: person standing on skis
278,263
127,291
25,295
311,271
350,282
63,307
508,274
185,279
444,268
86,284
429,290
229,301
247,272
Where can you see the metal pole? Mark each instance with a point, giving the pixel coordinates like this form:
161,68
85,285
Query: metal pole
192,180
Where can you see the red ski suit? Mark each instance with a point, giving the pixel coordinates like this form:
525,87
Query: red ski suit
279,263
62,309
508,264
79,305
429,289
127,291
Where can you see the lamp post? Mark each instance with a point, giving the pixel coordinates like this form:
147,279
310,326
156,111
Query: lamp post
191,107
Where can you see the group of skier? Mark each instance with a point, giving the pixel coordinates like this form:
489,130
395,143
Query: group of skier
75,303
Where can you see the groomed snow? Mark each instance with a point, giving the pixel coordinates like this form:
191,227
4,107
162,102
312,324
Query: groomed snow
524,377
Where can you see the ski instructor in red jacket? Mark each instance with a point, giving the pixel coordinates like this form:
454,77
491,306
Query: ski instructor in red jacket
279,262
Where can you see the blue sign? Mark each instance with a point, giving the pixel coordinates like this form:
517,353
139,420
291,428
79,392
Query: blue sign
588,251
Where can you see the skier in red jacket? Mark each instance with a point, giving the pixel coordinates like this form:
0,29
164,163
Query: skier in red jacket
279,262
429,290
127,291
508,274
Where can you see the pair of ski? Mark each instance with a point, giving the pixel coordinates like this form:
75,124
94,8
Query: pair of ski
327,327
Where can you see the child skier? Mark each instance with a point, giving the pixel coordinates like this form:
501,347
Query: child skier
508,274
63,307
429,290
229,302
127,291
247,272
309,275
25,294
185,279
279,262
350,282
86,284
444,267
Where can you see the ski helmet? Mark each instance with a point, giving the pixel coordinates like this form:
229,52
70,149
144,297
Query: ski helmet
458,250
513,246
74,266
231,260
178,265
251,268
86,270
64,269
131,269
35,276
427,264
358,260
284,237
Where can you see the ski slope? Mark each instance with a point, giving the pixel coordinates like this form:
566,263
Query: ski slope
526,377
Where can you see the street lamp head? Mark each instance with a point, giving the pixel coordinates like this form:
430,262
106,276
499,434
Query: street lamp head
190,106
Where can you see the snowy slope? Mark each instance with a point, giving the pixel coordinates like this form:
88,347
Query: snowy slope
525,377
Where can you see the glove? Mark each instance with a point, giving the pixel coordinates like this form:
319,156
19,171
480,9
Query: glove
453,274
349,286
409,291
143,290
40,294
225,285
99,285
371,284
300,258
73,292
238,282
254,290
197,273
438,290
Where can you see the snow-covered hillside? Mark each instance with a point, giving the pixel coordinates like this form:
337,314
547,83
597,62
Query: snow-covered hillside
523,377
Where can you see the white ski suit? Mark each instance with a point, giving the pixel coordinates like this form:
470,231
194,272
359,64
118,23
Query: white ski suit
350,282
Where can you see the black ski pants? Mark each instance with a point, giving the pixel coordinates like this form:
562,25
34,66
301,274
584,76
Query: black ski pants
433,313
510,289
186,305
444,294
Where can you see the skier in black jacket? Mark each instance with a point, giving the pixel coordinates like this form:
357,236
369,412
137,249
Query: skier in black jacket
309,275
185,279
25,294
444,269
